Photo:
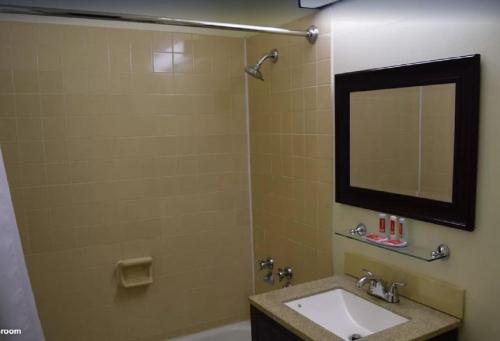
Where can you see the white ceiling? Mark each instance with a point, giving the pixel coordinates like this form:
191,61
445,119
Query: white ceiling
256,12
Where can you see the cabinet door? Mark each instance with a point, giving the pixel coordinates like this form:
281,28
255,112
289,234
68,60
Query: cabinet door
266,329
451,335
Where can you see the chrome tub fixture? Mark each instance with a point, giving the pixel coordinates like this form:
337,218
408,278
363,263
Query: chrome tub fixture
286,272
267,263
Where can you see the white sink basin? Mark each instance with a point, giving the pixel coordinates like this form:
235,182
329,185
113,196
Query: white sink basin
345,314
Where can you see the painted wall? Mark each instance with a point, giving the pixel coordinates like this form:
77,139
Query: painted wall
369,34
122,144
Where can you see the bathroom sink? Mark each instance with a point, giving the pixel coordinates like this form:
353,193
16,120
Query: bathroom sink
344,314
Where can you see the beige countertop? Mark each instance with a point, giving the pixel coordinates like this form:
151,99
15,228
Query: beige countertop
423,323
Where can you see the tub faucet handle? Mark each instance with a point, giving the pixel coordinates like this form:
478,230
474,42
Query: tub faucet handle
267,263
286,272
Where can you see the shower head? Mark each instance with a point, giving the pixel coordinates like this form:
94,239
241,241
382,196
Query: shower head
254,69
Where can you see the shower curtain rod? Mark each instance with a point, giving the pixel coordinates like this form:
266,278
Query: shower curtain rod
311,34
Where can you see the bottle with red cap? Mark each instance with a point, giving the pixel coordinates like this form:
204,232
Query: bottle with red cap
382,217
402,230
392,235
397,235
381,236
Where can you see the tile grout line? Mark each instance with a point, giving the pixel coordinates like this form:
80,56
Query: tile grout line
249,169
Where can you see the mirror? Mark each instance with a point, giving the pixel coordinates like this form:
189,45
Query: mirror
406,140
402,140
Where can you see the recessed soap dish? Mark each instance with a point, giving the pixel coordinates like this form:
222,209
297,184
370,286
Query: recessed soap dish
135,272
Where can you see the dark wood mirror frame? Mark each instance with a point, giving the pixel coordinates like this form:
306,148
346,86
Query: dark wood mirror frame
465,73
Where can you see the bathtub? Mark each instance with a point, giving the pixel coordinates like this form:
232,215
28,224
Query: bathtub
232,332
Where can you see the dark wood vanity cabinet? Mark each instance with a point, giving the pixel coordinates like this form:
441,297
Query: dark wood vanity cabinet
265,328
451,335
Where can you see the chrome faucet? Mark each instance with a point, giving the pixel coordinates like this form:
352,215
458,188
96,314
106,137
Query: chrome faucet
286,272
378,287
267,263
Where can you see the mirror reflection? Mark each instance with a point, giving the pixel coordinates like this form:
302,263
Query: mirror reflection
402,140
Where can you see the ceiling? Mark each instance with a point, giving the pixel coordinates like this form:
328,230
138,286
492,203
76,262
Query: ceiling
254,12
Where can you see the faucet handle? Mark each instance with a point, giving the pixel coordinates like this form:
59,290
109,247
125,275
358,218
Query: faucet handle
267,263
395,285
393,291
368,273
285,272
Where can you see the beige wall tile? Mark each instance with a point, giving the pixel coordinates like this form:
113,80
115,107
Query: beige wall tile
109,156
50,81
291,135
50,58
8,129
7,81
7,106
25,81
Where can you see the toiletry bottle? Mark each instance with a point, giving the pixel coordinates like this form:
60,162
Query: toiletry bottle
393,227
381,225
402,230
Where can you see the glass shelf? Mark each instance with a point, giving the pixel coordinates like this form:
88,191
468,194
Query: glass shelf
425,254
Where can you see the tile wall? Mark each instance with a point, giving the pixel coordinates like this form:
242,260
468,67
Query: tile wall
127,143
291,153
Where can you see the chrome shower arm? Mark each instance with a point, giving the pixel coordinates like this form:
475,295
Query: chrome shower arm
273,54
